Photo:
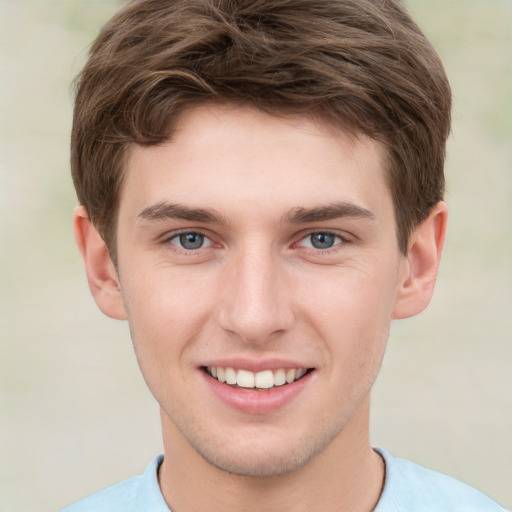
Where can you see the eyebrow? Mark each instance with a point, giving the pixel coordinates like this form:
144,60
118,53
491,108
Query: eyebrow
298,215
164,210
329,212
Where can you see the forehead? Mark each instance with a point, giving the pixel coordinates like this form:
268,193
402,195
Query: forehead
235,157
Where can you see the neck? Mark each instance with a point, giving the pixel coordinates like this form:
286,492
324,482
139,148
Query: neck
347,476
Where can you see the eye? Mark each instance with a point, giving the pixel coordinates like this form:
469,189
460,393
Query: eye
190,241
321,240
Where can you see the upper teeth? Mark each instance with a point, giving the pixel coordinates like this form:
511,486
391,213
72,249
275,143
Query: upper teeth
263,380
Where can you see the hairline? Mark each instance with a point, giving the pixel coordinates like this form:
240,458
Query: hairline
335,125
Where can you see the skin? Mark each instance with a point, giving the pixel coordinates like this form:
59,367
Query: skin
258,291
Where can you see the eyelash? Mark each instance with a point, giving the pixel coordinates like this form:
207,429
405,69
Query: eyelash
341,240
179,234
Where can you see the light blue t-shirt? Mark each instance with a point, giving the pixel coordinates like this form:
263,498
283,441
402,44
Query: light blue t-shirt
407,488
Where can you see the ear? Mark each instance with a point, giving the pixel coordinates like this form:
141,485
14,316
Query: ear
422,264
101,273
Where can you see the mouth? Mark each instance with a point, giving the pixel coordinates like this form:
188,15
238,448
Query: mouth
256,381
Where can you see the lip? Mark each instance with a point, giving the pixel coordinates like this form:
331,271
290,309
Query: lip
249,401
255,365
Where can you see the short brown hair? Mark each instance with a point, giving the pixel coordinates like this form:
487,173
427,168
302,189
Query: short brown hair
363,65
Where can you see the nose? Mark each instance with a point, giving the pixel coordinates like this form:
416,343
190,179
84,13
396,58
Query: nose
255,304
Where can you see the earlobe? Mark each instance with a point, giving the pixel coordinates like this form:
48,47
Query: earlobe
101,273
422,264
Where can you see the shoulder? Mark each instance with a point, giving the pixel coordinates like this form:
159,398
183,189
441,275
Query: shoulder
121,496
409,486
138,494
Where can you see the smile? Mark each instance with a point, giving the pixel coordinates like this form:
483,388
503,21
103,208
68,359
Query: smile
262,380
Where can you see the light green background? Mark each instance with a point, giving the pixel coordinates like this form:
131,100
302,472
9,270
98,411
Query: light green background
75,413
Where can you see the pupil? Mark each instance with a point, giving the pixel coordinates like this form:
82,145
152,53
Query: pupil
322,240
191,240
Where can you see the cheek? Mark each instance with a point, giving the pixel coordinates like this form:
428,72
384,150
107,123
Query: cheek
351,311
360,297
165,312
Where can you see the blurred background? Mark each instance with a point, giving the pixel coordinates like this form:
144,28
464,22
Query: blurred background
75,413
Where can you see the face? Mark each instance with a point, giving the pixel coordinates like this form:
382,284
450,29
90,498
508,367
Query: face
259,268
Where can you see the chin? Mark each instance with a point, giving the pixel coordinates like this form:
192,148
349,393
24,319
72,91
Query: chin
263,466
253,460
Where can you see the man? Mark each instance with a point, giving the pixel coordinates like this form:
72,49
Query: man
260,187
